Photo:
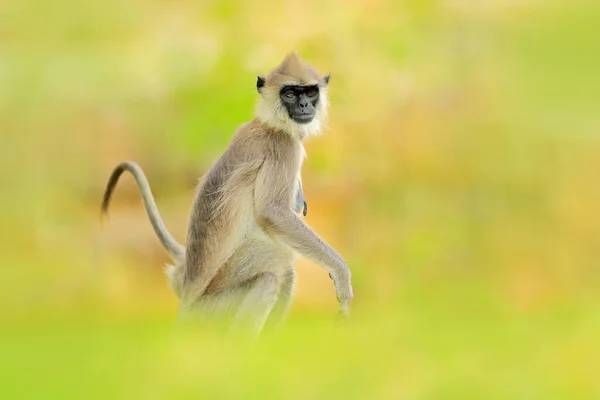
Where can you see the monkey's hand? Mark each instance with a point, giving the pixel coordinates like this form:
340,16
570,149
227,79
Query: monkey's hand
343,289
301,206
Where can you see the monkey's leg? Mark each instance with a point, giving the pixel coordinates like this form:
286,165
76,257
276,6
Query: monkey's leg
284,301
257,304
214,311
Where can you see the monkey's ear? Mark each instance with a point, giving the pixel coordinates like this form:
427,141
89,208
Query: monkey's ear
326,78
260,82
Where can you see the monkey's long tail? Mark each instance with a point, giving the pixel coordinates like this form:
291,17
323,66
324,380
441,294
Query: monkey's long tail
175,249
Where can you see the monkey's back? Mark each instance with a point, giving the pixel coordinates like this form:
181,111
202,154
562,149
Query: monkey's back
223,227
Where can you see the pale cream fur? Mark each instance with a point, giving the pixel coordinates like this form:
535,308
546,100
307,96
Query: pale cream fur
292,71
245,231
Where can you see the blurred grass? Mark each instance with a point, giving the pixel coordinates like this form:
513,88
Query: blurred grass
458,176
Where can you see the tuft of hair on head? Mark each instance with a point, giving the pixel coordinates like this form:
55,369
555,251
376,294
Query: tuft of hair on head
293,70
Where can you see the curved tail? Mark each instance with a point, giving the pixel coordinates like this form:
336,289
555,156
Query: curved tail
175,249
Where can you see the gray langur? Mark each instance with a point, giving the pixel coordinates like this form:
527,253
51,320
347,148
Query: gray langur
245,231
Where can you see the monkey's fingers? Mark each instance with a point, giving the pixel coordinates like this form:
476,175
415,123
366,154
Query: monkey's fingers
305,209
345,308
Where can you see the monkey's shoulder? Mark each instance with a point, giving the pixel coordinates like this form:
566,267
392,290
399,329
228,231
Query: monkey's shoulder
256,141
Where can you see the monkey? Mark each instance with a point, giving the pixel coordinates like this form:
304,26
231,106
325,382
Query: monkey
175,249
244,230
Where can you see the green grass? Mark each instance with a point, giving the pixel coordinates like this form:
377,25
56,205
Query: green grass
460,344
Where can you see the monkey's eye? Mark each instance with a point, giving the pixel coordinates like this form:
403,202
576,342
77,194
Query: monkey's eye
311,93
289,94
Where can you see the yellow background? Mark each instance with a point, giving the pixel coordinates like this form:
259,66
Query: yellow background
458,176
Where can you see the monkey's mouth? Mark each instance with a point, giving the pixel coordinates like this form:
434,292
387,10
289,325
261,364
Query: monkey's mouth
303,118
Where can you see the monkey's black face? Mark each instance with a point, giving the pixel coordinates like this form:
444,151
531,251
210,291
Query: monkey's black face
301,102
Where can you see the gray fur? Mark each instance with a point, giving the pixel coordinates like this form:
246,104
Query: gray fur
176,250
245,231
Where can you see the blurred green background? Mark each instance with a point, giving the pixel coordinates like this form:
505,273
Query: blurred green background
458,175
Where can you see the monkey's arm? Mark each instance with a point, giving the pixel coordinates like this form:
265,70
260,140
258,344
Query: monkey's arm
300,206
277,218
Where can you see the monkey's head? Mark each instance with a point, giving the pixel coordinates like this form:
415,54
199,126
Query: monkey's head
293,97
